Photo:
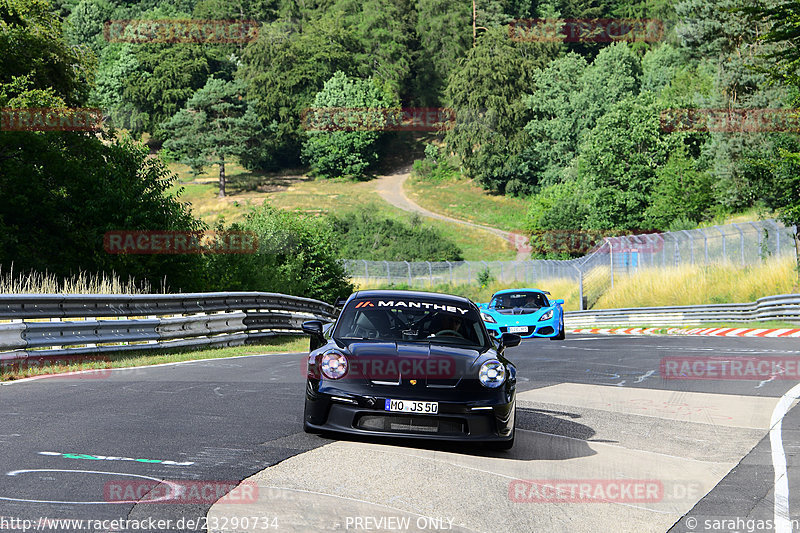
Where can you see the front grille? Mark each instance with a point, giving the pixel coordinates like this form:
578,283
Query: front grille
412,424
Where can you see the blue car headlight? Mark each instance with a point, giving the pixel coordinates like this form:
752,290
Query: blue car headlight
488,318
492,374
547,316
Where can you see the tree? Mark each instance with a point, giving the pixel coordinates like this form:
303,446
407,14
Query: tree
284,68
216,124
617,163
364,106
34,55
487,91
444,36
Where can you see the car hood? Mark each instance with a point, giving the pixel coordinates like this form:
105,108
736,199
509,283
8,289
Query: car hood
400,362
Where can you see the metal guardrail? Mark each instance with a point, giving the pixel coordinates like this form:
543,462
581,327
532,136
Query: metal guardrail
42,326
785,307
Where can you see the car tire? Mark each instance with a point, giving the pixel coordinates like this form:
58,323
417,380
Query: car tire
561,333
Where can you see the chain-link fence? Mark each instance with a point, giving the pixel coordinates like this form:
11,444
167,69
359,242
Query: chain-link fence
743,243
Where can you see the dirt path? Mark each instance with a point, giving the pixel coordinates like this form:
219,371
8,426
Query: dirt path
390,187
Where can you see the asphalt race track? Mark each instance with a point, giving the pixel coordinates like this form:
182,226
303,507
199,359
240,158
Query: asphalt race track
593,411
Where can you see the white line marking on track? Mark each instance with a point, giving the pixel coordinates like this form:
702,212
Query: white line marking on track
175,489
781,508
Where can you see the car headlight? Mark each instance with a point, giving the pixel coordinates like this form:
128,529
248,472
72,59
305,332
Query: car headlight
333,365
547,316
492,374
488,318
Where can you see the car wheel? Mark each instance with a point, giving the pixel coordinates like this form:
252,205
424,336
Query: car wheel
561,333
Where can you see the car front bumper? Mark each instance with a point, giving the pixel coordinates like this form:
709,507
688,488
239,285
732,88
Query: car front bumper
455,421
546,328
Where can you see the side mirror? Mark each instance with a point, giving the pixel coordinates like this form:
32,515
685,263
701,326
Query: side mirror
558,302
314,328
509,340
340,302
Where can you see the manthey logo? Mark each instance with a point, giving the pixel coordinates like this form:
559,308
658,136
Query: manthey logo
409,304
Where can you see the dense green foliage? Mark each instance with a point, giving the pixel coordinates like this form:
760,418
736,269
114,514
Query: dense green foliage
296,255
63,191
343,144
576,127
366,236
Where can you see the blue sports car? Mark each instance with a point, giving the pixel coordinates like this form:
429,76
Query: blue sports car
526,312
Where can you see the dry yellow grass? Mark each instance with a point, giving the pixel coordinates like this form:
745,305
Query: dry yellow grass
690,285
83,283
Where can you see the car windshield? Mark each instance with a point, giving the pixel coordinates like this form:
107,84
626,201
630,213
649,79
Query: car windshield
410,320
511,300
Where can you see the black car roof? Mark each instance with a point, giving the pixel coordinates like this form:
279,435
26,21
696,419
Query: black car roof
375,293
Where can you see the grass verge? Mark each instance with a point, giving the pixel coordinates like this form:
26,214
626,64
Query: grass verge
296,192
697,285
465,200
283,344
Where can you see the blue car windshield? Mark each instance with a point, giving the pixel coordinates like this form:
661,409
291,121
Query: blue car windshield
512,300
411,321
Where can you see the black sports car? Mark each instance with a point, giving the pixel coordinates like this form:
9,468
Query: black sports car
410,364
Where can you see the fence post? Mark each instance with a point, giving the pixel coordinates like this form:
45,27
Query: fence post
580,287
388,274
469,272
760,240
611,259
366,270
724,248
777,238
741,240
408,265
450,266
705,242
430,274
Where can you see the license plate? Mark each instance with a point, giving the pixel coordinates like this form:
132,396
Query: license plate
409,406
518,329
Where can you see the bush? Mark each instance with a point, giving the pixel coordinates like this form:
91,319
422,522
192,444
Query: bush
363,235
296,255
